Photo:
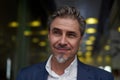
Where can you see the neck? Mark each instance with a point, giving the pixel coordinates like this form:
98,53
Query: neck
59,68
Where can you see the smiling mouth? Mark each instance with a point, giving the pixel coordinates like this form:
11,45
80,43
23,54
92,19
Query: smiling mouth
62,50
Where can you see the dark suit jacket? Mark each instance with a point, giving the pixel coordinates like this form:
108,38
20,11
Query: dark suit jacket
85,72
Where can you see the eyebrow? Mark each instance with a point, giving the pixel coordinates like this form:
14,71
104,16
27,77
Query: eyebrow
71,32
55,29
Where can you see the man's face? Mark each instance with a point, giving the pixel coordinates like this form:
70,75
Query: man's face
64,37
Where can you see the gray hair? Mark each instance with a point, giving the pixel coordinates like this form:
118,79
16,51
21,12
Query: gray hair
68,12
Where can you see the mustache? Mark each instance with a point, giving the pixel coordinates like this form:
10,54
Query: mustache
62,47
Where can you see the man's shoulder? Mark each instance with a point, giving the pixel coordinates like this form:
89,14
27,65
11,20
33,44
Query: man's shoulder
32,72
96,69
33,68
92,70
101,73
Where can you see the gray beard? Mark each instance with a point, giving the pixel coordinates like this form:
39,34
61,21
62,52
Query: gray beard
61,59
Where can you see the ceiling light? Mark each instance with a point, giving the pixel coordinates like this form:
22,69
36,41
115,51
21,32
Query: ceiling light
13,24
107,59
92,38
88,53
27,33
91,21
107,47
43,32
35,23
89,42
90,30
35,40
89,48
42,43
99,59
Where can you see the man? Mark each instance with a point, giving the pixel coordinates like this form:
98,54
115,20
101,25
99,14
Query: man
66,29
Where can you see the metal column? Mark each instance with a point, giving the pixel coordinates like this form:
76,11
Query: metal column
22,42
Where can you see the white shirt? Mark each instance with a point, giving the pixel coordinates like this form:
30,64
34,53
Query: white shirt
70,72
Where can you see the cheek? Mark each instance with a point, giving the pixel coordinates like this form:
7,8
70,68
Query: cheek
52,40
76,45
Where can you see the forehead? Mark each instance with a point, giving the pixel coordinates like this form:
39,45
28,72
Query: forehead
66,24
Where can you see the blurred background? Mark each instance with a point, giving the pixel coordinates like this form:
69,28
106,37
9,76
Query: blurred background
23,34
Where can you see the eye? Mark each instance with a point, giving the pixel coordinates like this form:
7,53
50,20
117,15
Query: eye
56,32
72,35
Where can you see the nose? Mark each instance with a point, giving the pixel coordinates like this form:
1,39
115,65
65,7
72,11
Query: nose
63,40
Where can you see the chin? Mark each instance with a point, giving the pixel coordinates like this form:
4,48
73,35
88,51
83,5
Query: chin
61,59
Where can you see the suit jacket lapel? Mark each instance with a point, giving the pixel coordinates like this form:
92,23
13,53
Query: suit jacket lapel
84,72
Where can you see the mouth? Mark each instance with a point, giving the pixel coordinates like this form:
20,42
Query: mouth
62,50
